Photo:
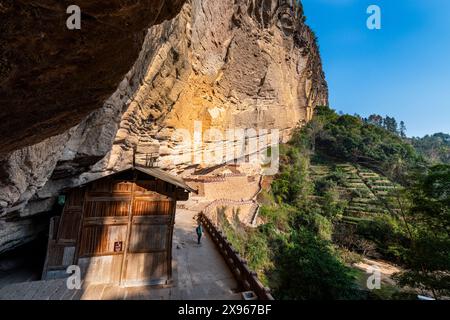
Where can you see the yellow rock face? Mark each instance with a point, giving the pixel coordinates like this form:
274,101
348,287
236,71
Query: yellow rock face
250,64
226,65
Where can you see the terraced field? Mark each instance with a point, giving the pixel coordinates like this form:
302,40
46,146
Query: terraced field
381,186
319,171
366,191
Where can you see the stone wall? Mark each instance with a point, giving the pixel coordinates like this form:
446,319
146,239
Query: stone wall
243,211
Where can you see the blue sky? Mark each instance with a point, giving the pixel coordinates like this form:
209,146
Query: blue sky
402,70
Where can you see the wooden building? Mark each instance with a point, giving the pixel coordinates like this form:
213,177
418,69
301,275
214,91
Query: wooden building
118,229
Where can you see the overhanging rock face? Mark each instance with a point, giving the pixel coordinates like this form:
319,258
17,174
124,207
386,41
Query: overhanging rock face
51,77
233,64
227,64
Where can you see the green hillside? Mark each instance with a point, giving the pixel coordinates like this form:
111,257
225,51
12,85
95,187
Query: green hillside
348,189
365,191
435,148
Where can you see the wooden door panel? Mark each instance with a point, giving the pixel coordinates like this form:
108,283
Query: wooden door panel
149,268
104,269
75,198
149,208
69,225
110,208
102,240
147,258
125,222
101,221
147,238
158,220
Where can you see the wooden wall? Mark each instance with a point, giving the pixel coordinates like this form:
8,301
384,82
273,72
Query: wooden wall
120,229
127,231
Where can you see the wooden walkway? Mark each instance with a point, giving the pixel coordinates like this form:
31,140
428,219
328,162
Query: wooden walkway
200,273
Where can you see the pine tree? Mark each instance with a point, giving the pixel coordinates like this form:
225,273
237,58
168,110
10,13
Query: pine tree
390,124
402,129
376,120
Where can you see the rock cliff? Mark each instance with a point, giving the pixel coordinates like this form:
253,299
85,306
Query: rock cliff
52,77
245,63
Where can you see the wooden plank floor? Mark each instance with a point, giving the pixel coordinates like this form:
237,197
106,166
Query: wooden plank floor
200,273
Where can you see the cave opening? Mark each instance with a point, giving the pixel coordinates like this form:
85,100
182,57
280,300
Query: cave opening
24,262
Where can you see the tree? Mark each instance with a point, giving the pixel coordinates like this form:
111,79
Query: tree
352,139
431,198
435,148
310,270
376,120
293,184
428,224
313,130
390,124
402,129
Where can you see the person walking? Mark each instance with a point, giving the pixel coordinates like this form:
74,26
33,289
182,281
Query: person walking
199,231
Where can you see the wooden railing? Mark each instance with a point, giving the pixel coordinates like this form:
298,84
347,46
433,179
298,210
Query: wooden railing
248,280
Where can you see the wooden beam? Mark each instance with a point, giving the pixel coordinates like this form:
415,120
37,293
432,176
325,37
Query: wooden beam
123,268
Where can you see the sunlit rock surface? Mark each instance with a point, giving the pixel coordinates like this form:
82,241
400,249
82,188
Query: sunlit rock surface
228,64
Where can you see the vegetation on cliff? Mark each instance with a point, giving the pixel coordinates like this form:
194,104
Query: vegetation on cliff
331,204
356,140
435,148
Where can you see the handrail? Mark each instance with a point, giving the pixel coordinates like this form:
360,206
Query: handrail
247,278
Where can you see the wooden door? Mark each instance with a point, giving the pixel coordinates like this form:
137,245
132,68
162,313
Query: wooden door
102,243
148,256
63,237
126,233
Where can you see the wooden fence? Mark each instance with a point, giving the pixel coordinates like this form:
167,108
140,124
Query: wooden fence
247,279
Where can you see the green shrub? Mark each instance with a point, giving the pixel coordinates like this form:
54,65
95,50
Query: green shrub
386,232
323,227
310,270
